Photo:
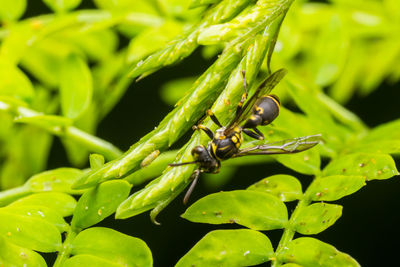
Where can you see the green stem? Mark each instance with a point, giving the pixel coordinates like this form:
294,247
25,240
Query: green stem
65,251
12,194
288,233
89,141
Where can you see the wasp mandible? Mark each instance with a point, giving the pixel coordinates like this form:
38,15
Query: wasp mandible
261,109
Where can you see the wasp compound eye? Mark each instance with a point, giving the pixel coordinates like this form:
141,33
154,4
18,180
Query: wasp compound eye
198,152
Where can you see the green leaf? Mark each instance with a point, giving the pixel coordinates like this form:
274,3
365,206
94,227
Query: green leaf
330,188
112,246
62,5
13,82
252,209
89,260
229,248
57,180
100,202
382,139
96,161
285,187
41,212
97,45
309,251
13,255
316,218
151,40
76,86
29,232
12,10
307,162
197,3
60,202
370,166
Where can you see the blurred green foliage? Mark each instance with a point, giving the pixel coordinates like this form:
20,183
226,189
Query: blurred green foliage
62,73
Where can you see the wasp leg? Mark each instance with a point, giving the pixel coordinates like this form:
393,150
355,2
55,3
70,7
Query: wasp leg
214,118
244,95
259,133
205,129
196,175
254,135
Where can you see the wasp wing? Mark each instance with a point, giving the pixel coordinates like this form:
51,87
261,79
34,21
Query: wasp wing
288,146
263,89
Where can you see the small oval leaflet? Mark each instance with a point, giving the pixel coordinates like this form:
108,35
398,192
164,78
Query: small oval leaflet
308,251
285,187
41,212
33,233
76,93
330,188
13,255
316,218
59,202
89,260
255,210
100,202
126,250
57,180
370,166
229,248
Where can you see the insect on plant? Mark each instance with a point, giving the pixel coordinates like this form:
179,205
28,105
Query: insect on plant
261,109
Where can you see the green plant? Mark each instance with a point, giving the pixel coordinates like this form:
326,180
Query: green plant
62,73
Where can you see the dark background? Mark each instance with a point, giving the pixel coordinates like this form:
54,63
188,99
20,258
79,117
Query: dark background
368,229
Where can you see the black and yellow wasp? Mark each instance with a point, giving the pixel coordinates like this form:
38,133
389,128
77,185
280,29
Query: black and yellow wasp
261,109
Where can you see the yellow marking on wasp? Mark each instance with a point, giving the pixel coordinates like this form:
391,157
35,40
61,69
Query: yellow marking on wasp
276,102
234,139
209,112
252,117
260,110
214,150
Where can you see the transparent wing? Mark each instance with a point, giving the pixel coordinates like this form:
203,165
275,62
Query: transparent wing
263,89
287,146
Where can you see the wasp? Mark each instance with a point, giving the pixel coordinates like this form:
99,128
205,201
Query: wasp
261,109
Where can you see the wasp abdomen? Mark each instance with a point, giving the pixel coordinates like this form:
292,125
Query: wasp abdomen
265,110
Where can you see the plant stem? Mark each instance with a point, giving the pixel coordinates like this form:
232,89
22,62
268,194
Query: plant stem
93,143
63,255
12,194
288,233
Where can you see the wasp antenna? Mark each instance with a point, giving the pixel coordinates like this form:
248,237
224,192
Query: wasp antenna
244,80
182,163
